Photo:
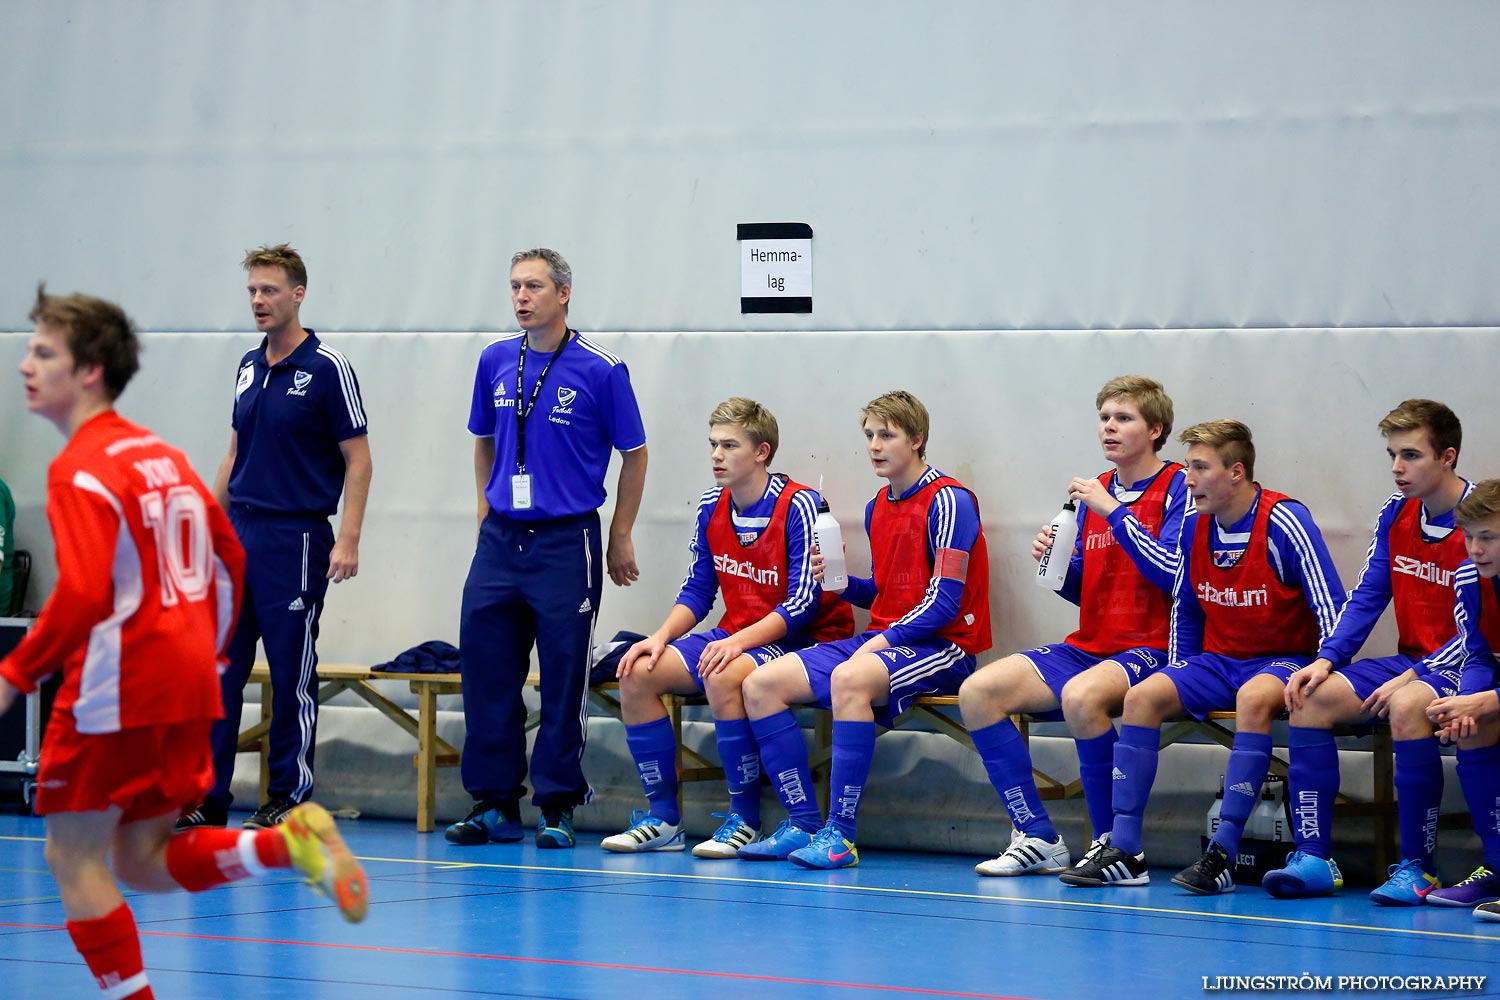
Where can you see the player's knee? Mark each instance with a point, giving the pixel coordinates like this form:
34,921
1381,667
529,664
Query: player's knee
1256,705
852,685
1409,722
133,870
979,699
725,689
1408,712
639,695
1316,712
1082,701
57,856
1145,705
65,860
759,694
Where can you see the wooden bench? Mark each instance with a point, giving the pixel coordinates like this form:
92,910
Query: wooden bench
434,752
932,710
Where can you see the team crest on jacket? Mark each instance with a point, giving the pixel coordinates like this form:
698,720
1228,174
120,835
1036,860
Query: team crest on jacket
566,396
1226,560
300,382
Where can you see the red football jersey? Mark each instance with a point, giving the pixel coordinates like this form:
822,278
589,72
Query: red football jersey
1118,608
149,574
1489,612
902,568
1247,611
753,578
1422,582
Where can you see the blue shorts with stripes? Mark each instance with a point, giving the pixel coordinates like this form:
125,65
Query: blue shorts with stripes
934,666
1056,665
690,648
1208,682
1364,676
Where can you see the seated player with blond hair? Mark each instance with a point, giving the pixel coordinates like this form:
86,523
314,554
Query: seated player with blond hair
752,542
1120,576
928,595
1255,595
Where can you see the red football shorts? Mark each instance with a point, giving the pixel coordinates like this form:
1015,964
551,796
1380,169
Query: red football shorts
146,771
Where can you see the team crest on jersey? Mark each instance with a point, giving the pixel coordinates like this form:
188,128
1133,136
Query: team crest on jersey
247,376
300,382
1227,560
564,408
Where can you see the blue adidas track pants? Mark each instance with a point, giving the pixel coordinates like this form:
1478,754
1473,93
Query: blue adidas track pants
286,580
532,583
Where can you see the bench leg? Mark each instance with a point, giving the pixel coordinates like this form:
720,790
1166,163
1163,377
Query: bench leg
674,712
1382,761
426,759
265,745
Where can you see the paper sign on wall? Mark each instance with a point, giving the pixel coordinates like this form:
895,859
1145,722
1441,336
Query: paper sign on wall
775,267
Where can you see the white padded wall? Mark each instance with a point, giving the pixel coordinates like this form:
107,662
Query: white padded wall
978,164
1012,417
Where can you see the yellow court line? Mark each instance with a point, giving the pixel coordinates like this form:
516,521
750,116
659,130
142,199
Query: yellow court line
929,893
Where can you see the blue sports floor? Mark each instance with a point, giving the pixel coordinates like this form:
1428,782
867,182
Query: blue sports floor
511,921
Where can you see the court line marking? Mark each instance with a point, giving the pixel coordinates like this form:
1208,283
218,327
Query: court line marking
981,897
936,894
532,960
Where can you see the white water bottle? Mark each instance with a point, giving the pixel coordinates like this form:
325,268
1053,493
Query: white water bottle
1053,568
828,540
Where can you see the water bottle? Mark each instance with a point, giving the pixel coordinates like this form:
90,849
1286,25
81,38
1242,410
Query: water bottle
1053,568
829,541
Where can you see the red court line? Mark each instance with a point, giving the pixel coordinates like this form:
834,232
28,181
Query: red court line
609,966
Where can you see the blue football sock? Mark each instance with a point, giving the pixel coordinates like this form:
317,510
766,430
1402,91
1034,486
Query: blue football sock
1096,761
853,749
1479,774
1249,761
783,755
1008,763
1313,783
654,747
1419,797
741,767
1136,757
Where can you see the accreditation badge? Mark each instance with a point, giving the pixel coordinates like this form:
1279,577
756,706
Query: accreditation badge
520,491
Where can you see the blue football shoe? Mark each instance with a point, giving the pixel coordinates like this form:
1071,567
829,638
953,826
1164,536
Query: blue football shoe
787,838
1304,875
828,850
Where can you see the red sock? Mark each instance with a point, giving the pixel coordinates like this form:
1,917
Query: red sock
112,949
207,857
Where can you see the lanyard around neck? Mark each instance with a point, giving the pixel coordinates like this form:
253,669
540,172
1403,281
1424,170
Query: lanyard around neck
522,413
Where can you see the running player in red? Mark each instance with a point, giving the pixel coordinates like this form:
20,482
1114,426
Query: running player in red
149,572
